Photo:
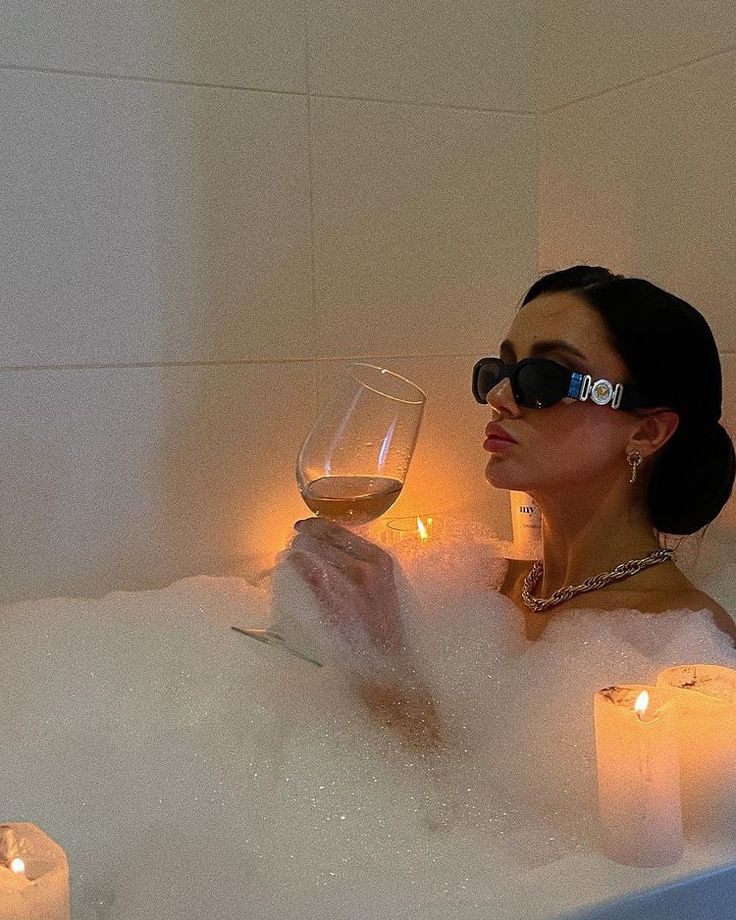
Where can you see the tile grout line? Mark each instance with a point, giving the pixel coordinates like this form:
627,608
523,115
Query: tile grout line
168,81
23,68
417,103
133,78
310,180
638,81
153,365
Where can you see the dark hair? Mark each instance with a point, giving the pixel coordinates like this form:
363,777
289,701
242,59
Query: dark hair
673,361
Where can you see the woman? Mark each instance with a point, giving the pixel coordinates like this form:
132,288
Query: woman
617,441
679,468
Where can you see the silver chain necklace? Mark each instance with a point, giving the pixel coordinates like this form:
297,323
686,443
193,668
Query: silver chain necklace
595,581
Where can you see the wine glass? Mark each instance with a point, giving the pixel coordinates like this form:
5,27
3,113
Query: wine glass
353,462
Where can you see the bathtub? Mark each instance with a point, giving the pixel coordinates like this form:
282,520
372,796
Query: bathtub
706,895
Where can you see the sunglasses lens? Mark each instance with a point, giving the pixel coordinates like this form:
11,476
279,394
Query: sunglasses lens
542,384
531,386
487,375
537,385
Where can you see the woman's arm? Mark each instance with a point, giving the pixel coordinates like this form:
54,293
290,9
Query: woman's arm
408,710
354,582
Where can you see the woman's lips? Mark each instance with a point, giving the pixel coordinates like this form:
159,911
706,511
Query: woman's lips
497,444
497,433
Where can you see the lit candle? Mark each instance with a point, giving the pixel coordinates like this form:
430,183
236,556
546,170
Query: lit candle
412,529
638,775
705,699
34,875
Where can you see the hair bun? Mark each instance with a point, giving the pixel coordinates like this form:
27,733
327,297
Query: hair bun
700,427
700,472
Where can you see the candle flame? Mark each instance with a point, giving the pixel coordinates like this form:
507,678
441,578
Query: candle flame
641,703
17,865
423,535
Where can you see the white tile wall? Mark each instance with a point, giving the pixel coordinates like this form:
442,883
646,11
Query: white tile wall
586,47
469,53
424,225
124,477
157,235
259,44
152,222
203,213
639,180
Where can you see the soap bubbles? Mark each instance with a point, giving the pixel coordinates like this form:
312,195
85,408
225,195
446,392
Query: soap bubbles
189,771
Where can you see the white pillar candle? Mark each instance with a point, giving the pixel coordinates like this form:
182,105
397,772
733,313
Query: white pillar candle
638,775
34,875
705,698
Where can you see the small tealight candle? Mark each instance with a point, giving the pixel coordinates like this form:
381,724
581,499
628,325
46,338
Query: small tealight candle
638,775
414,529
705,699
34,875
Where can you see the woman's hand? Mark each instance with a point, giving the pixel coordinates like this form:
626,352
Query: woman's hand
353,582
352,579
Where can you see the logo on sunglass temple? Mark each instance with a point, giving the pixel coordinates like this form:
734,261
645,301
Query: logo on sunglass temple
603,392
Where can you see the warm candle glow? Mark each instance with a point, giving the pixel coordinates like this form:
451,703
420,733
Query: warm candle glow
34,885
642,703
705,699
412,529
638,775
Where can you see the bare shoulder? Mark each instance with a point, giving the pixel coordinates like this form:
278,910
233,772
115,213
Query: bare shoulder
684,595
699,600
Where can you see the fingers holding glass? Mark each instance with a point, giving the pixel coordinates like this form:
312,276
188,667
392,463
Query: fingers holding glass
332,534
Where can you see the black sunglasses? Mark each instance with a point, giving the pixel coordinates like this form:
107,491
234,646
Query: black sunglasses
538,383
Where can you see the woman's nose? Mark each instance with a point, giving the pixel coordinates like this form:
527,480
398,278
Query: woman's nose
502,396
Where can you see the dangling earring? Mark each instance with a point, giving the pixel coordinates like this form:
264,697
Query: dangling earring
634,458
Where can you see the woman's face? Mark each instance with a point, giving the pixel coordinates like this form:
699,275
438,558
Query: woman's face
571,440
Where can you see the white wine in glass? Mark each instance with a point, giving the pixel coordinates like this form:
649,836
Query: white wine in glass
351,467
354,460
351,499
